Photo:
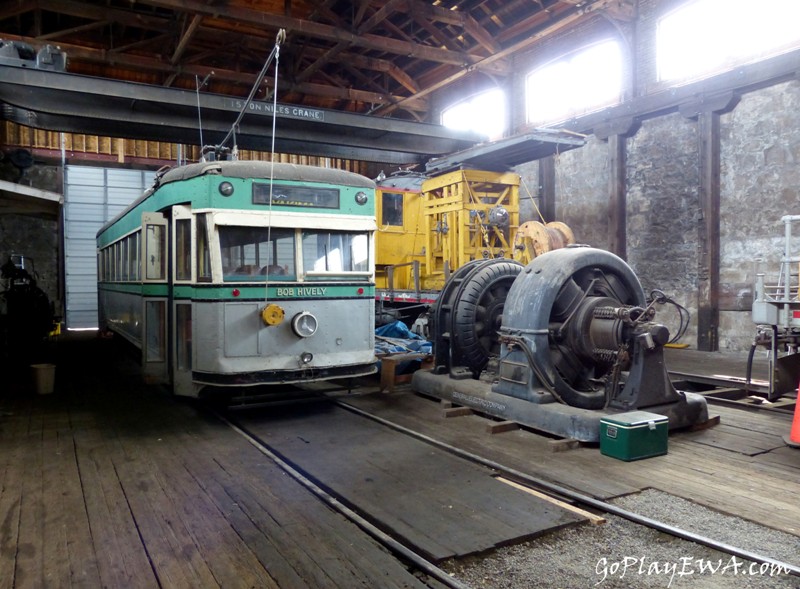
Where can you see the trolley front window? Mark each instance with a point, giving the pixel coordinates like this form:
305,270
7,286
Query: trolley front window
335,252
253,253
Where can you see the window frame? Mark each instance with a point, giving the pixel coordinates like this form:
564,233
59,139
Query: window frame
569,57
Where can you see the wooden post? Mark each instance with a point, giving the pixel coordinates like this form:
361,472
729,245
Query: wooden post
616,133
617,192
706,111
708,279
547,188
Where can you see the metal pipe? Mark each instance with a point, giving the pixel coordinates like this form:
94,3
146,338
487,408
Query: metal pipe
786,269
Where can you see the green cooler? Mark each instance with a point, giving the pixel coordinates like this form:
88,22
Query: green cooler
634,435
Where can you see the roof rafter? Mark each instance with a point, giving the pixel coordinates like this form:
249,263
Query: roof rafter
247,79
332,33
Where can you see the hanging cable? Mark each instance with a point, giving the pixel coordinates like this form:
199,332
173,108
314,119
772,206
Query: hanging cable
273,254
533,200
684,317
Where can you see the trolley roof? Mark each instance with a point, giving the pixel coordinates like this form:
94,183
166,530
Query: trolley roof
265,170
261,170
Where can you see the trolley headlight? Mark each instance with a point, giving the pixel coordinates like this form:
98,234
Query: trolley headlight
304,324
361,197
306,357
226,188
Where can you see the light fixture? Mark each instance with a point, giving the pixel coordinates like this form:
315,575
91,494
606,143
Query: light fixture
306,357
304,324
226,188
361,197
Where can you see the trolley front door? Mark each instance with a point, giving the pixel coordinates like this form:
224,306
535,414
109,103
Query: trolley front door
184,274
154,298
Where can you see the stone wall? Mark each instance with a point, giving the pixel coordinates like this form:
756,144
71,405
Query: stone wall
582,192
664,213
760,183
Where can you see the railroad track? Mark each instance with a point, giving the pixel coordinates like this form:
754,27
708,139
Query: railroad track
389,542
557,492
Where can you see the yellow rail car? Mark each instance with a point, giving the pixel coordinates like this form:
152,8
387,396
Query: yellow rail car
467,215
428,227
400,240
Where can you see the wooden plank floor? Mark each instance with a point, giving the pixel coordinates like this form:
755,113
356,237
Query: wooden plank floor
105,484
441,505
108,484
741,467
722,364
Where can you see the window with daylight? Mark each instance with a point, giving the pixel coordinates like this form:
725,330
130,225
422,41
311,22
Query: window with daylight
705,37
584,81
484,114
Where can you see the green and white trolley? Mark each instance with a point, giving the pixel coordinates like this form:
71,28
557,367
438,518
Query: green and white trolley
235,273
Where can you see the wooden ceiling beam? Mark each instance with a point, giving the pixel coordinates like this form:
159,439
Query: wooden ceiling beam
98,12
320,62
410,105
380,15
568,20
71,31
455,18
330,55
154,65
438,35
363,5
16,8
481,35
328,33
158,39
374,64
185,38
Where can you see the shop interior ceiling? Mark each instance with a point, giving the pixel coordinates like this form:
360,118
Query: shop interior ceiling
382,59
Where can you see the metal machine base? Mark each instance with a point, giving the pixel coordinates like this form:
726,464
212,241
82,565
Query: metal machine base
545,413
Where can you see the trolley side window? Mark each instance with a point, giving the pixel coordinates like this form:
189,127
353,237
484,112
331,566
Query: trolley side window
252,253
155,249
335,252
124,262
135,254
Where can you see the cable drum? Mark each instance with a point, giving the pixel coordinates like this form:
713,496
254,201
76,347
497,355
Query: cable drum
533,239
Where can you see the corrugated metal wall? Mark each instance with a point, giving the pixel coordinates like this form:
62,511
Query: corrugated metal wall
92,196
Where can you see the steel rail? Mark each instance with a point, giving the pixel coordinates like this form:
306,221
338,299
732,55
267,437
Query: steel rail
381,537
578,497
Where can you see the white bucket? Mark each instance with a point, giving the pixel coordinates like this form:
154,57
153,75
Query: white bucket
44,378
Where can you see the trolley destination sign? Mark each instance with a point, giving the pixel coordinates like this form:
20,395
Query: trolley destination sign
282,110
